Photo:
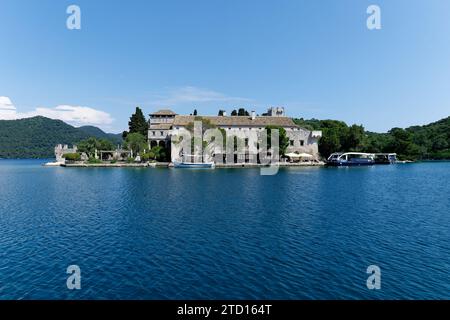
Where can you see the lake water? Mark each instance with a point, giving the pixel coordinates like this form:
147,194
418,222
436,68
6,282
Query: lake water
306,233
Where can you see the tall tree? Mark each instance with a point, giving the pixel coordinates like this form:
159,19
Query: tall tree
329,142
402,143
243,112
91,144
195,112
234,113
136,142
137,123
283,138
220,114
353,139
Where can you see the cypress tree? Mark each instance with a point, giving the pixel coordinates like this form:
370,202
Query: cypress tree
137,123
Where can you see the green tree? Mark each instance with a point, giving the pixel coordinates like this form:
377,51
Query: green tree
159,153
402,143
242,112
330,142
283,138
156,153
440,143
137,123
353,138
195,112
136,142
105,145
234,113
221,112
91,144
374,143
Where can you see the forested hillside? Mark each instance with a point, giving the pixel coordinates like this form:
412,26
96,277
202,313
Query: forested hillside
429,142
36,137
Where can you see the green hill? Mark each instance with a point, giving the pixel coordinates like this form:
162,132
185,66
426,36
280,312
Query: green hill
36,137
100,134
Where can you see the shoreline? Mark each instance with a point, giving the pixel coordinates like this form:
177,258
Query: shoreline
169,165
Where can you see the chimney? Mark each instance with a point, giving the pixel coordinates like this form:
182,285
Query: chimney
253,115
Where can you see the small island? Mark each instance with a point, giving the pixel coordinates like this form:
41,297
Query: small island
302,142
154,143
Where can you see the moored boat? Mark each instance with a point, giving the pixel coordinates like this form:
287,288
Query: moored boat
52,164
194,165
351,159
385,158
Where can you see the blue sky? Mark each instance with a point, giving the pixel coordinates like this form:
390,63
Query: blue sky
315,58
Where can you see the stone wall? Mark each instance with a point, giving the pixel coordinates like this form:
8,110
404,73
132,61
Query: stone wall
300,140
61,150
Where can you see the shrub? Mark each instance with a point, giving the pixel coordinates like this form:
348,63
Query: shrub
149,156
94,161
72,156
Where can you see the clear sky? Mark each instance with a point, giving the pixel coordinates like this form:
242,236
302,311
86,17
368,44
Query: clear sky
316,58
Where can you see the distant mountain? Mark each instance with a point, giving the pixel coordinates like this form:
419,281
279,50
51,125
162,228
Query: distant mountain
99,133
36,137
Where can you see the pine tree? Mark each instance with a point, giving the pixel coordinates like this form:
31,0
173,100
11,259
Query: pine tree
243,112
195,112
137,123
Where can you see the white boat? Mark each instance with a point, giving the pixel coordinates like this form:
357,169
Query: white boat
351,159
53,164
192,161
194,165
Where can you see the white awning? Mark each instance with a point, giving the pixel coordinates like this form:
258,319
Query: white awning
298,155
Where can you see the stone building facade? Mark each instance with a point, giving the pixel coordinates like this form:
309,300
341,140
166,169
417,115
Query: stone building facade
160,126
165,125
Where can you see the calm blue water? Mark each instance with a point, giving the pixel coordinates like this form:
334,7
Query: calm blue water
306,233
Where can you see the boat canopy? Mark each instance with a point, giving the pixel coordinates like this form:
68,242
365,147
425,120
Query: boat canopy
298,155
351,155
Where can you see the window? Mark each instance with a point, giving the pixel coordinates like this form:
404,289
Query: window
154,133
162,133
291,142
302,142
246,142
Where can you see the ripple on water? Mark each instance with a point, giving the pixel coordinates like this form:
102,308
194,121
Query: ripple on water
306,233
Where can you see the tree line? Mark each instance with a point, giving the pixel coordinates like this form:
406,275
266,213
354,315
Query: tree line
429,142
